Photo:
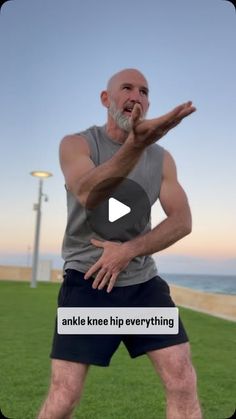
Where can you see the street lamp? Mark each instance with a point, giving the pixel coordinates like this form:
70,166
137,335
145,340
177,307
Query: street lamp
37,207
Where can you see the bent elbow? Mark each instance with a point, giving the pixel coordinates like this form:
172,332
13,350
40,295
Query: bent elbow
82,199
187,227
184,224
78,194
85,199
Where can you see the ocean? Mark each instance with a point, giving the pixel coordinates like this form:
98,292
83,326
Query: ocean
219,284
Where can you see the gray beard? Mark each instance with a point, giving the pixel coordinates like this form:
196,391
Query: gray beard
123,121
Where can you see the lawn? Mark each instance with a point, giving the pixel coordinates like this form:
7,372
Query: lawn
128,389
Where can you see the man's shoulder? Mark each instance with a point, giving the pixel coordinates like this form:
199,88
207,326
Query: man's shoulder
156,149
92,130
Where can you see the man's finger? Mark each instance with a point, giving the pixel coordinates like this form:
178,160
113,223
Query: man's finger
99,278
136,113
173,113
181,116
112,282
92,270
186,111
105,280
178,113
97,243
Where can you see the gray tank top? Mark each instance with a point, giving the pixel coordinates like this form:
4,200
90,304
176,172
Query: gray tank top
77,250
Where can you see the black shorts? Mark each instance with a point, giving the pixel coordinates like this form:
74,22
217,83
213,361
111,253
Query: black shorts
75,291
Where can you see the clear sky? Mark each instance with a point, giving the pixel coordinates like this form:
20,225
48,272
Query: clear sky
56,57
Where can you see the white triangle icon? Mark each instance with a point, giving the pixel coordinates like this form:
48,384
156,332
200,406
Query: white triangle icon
116,209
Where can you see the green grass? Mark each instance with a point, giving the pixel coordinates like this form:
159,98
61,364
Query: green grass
128,389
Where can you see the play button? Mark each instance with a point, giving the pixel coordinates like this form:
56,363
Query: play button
116,209
119,214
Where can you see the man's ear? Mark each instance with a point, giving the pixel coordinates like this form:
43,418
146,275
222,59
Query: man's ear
105,98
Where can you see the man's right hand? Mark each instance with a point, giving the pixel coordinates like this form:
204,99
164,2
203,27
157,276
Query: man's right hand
148,131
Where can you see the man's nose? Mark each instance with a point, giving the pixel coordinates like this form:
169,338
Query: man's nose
135,96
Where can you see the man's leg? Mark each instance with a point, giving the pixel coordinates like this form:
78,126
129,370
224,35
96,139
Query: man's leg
65,390
174,366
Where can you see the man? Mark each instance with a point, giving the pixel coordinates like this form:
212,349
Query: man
94,163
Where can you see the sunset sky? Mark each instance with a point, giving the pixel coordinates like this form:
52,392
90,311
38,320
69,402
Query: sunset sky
57,56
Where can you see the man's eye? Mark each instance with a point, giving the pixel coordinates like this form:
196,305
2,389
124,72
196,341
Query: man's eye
126,88
144,92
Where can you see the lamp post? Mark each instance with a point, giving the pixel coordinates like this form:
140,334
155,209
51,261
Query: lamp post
41,175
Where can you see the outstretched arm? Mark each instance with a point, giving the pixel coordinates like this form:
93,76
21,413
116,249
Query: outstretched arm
81,175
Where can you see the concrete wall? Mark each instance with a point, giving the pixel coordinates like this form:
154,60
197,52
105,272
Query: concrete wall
220,305
22,273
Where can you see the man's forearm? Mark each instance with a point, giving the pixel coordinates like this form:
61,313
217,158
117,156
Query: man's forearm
104,178
168,232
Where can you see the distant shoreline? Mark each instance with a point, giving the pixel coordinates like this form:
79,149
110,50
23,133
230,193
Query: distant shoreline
217,284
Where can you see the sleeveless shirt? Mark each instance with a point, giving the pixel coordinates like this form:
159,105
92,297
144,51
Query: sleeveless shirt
77,250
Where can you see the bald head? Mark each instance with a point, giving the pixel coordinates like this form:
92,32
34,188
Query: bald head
124,90
128,73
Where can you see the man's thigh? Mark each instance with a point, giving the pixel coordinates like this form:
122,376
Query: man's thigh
153,293
78,348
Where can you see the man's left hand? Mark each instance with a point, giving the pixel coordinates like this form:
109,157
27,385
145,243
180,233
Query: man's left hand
115,258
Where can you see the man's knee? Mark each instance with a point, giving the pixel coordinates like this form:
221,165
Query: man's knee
175,368
182,381
64,393
67,381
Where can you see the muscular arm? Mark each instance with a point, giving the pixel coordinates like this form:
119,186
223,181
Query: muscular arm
178,222
116,257
81,176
